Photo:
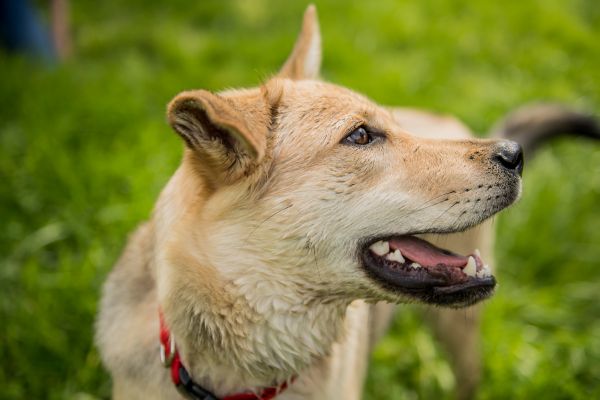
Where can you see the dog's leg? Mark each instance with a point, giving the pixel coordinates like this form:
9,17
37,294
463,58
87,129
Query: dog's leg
342,374
458,333
122,390
458,330
379,321
350,357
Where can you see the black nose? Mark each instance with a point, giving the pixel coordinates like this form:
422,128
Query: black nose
509,154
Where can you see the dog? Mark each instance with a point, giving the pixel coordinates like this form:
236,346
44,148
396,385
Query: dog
301,213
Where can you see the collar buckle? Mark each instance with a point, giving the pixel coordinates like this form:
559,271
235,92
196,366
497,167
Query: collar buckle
166,359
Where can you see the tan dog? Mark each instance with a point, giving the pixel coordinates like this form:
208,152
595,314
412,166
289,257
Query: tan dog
298,206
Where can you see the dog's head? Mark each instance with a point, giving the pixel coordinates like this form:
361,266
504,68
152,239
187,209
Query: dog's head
304,189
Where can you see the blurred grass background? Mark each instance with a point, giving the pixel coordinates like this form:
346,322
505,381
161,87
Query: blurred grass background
84,151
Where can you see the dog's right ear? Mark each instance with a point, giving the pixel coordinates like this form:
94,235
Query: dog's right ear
305,60
226,134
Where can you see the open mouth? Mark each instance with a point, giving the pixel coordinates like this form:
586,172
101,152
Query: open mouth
428,273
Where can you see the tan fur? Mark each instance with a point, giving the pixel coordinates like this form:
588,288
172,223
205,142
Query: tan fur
456,330
251,250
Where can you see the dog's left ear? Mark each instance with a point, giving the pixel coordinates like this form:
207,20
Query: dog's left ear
226,133
305,60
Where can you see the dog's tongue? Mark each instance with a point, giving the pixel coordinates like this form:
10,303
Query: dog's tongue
425,253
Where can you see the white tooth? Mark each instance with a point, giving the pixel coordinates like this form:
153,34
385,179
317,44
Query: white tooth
480,274
477,253
415,265
471,268
380,248
396,256
486,271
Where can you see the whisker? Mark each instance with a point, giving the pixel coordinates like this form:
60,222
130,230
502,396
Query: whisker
266,219
443,212
314,251
441,195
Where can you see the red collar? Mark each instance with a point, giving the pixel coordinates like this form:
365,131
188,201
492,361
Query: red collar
169,356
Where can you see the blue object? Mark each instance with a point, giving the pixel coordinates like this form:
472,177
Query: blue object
22,30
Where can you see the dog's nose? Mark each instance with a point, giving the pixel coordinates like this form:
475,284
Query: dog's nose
509,155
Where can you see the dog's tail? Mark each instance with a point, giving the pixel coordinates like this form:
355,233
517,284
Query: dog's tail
532,125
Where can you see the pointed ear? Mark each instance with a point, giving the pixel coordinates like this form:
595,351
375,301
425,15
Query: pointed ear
227,135
305,60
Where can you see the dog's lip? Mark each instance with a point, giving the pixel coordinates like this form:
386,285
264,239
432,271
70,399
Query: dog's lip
434,283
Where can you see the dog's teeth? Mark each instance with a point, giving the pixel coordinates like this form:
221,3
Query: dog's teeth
380,248
477,253
471,268
487,272
415,265
396,256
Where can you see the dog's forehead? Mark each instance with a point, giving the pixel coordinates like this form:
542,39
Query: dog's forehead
326,96
315,106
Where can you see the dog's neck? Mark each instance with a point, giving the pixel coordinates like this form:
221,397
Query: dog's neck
237,342
237,324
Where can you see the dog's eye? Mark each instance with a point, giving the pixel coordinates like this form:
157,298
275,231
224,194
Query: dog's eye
359,136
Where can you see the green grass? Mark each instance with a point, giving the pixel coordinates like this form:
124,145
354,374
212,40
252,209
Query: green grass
84,151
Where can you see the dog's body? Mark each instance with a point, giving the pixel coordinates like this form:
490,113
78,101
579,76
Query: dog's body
260,249
130,306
